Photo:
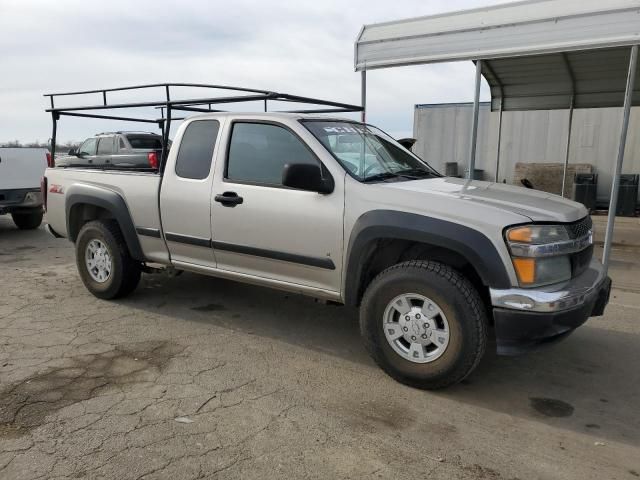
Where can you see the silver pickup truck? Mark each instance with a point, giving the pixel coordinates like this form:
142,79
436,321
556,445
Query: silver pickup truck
340,211
138,150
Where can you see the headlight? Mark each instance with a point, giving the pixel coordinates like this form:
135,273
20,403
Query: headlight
540,253
538,234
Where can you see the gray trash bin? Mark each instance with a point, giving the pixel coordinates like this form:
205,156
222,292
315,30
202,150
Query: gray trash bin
451,170
585,186
478,174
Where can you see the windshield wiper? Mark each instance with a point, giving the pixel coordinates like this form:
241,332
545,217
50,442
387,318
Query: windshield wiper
410,174
380,177
415,172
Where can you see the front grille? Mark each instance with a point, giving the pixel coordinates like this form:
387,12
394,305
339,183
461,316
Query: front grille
580,228
580,260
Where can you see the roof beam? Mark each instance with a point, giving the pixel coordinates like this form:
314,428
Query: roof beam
500,31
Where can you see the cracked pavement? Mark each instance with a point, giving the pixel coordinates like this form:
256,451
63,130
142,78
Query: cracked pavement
196,377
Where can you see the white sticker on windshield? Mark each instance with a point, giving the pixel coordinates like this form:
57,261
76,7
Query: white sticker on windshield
345,129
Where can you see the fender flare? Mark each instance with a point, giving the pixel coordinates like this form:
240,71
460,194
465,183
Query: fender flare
471,244
114,204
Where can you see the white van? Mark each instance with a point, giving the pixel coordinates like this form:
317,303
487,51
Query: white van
21,170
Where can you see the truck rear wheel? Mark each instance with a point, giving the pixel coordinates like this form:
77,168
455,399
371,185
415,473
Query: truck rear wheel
104,262
28,220
424,324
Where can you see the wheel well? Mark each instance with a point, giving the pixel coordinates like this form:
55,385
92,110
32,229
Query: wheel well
386,252
81,213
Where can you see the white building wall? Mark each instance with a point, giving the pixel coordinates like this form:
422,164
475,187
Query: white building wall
443,134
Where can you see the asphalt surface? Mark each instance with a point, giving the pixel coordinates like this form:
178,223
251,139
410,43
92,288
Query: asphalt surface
196,377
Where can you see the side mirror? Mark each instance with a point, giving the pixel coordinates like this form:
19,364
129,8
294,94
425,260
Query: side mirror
306,176
407,142
72,152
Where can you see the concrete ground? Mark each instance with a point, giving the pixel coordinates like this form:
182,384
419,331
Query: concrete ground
195,377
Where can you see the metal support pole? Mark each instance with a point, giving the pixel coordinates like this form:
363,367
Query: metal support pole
566,155
165,139
499,140
474,125
363,95
265,104
54,116
615,184
165,131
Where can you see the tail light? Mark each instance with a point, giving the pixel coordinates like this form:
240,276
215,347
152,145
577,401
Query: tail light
50,161
153,160
43,191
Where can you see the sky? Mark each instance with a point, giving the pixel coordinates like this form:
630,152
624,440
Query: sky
298,47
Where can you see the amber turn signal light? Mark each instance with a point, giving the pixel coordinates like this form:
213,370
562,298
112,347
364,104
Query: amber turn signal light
525,269
522,235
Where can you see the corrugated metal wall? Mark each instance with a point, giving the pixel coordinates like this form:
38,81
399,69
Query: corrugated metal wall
443,135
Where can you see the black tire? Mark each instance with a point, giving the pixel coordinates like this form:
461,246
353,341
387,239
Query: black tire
28,220
458,300
125,273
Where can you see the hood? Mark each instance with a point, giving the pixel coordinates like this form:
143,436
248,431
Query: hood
537,205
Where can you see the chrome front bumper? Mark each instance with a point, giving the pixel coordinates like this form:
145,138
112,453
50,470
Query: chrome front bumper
553,298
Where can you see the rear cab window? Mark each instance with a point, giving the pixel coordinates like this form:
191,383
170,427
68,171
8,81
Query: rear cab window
196,149
145,142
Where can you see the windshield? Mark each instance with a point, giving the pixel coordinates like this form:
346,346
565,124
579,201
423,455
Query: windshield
368,153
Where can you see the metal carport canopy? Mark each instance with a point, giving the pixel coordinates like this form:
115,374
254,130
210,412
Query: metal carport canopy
535,55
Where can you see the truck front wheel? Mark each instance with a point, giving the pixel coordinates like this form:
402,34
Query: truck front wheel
424,324
103,260
28,220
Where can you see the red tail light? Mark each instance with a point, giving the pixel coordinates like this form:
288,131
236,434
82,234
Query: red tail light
43,191
153,160
50,162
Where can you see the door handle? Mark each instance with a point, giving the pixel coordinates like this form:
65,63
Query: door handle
229,199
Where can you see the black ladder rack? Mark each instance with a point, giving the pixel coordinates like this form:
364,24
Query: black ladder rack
167,105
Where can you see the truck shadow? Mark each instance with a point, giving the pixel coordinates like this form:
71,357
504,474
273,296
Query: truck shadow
18,245
589,383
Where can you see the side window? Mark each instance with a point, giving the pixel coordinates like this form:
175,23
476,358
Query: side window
105,146
88,147
258,153
196,149
122,145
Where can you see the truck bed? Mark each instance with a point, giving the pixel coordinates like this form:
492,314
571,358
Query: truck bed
138,189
